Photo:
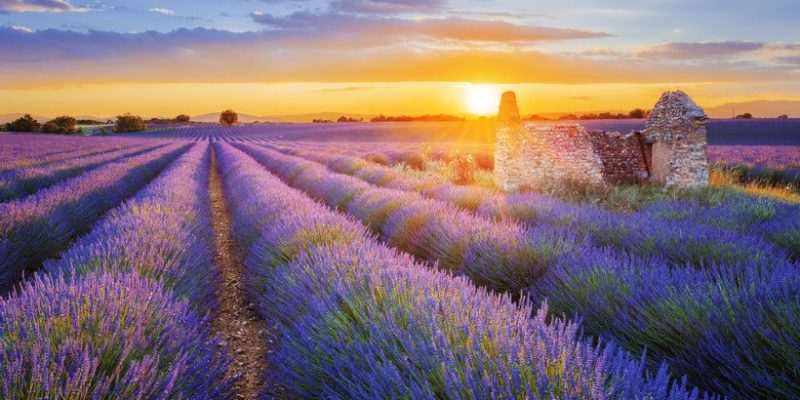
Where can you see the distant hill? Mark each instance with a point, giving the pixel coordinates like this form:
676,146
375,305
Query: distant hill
5,118
759,109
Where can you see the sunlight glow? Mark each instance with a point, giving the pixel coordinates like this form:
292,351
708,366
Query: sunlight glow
482,99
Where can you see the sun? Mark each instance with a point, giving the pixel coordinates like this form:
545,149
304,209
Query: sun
482,99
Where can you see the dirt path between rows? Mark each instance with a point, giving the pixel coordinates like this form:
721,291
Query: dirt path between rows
236,322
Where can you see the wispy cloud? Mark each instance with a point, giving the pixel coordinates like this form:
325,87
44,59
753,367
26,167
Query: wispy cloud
699,50
39,6
222,56
163,11
390,29
387,6
20,28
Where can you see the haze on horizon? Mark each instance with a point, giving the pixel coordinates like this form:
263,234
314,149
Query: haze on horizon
273,57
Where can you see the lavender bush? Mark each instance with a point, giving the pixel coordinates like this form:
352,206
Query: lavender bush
26,150
359,320
107,335
164,233
110,318
736,330
519,258
42,225
643,233
25,181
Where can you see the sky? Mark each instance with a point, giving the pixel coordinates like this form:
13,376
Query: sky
274,57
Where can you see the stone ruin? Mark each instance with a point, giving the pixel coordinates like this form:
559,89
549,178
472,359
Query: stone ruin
670,151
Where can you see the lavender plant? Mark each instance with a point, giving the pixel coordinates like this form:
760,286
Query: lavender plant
42,225
164,233
519,259
24,181
110,318
107,335
359,320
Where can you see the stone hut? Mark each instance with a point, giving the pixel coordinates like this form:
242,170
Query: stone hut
677,146
670,151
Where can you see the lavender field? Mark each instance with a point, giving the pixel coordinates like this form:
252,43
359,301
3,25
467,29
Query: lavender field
307,261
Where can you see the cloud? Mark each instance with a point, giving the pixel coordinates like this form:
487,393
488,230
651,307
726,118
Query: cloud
39,6
319,53
699,50
203,55
793,60
21,28
164,11
386,6
390,29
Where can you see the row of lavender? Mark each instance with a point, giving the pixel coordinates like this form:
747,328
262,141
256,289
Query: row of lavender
122,314
719,306
43,224
771,156
25,150
358,320
24,181
742,228
773,165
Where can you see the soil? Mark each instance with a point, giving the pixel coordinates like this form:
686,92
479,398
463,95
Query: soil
237,323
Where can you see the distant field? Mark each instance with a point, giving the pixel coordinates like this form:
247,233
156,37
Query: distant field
342,259
769,131
730,132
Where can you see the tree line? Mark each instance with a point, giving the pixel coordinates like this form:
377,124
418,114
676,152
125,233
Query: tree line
124,123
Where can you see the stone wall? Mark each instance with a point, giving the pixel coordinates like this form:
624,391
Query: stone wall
531,154
622,155
671,150
535,154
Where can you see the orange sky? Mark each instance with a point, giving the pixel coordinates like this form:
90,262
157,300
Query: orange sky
169,99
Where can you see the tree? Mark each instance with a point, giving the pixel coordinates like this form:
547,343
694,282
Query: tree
129,123
183,118
783,116
229,118
637,113
744,116
25,123
62,124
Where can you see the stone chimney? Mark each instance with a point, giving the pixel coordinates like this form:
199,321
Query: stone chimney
508,112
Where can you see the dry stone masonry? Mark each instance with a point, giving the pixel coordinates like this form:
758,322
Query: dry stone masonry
670,151
676,132
622,155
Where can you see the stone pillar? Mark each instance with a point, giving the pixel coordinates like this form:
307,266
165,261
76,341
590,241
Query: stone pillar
509,111
508,140
676,129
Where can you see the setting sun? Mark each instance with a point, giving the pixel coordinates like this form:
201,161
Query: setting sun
482,99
